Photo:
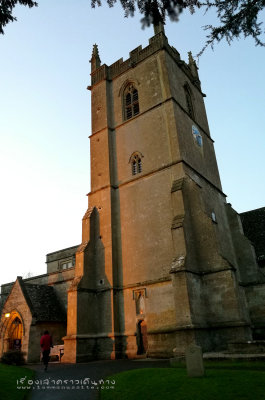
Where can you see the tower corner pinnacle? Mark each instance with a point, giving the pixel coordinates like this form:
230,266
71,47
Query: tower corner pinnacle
159,27
95,59
194,68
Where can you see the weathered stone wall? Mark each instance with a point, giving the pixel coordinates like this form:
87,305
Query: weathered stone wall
248,270
256,305
56,330
55,260
253,223
250,275
5,290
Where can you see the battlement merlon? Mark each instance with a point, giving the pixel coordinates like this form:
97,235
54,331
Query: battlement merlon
156,43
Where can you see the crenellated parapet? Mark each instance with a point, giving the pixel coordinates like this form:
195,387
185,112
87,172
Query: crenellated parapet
139,54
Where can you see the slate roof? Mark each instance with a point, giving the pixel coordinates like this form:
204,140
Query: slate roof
43,302
254,228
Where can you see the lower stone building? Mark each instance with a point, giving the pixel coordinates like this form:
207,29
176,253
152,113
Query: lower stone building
253,223
30,306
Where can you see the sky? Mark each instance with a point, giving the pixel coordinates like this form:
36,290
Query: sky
45,118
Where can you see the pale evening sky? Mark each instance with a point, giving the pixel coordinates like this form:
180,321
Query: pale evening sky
45,119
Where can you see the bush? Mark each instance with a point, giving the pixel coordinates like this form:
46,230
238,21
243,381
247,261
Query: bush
13,357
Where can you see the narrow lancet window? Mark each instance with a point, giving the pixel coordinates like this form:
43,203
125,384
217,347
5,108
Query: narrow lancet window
189,104
134,167
139,165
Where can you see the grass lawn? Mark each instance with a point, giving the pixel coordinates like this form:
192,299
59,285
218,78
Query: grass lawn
8,382
222,381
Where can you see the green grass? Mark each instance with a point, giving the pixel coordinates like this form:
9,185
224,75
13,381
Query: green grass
8,382
222,381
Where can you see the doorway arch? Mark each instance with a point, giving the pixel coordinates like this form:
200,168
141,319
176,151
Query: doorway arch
14,332
141,337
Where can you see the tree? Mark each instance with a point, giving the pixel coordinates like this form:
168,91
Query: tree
6,9
28,275
237,17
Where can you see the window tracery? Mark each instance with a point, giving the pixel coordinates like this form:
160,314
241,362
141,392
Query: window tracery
131,102
136,163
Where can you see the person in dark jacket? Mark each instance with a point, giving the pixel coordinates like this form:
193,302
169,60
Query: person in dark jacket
46,344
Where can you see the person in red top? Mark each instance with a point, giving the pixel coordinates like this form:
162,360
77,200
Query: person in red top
46,344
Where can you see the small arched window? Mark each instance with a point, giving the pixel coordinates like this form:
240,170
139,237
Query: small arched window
189,104
136,163
131,102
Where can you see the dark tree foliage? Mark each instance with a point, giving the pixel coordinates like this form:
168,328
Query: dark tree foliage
6,9
154,11
236,17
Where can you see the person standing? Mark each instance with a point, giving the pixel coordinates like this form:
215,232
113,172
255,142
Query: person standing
46,344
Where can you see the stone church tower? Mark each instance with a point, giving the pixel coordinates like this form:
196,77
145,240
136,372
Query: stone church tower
162,254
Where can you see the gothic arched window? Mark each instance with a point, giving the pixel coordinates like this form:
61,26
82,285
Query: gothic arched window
136,163
131,102
189,104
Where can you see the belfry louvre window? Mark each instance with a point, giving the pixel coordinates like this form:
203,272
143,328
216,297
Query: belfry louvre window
136,164
131,102
190,108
